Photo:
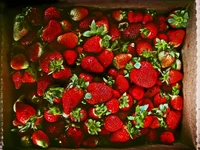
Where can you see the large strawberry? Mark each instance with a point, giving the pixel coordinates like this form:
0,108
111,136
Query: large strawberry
51,13
136,92
171,76
52,114
132,31
149,31
143,46
40,138
62,74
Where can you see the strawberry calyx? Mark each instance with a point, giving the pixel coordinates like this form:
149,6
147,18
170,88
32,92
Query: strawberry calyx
123,25
55,65
131,130
105,42
93,126
165,76
151,12
161,45
101,110
42,143
109,81
54,110
77,82
178,19
76,114
145,31
137,60
123,101
175,89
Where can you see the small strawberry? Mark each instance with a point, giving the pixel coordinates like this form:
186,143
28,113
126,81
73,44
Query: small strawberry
113,105
151,92
43,83
17,79
167,58
159,98
148,16
34,16
134,17
112,72
19,62
29,38
51,13
121,84
171,76
116,94
34,52
176,102
167,137
118,15
105,57
29,75
146,101
98,93
78,13
132,31
52,114
40,138
51,31
136,92
114,32
66,25
91,141
149,30
78,115
53,130
86,77
176,37
125,102
173,119
120,60
70,57
142,46
113,123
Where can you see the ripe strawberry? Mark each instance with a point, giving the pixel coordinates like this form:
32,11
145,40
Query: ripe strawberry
34,16
84,24
125,102
52,114
162,23
145,76
159,99
173,119
34,52
128,47
51,31
51,13
116,94
105,57
136,92
146,101
132,31
161,36
17,79
148,16
50,62
78,13
39,138
104,132
149,31
171,76
120,136
118,15
93,127
29,75
167,137
24,112
176,102
93,44
62,74
91,64
113,73
91,141
112,123
151,92
142,46
120,60
53,130
121,84
29,38
176,37
103,22
78,115
69,40
114,31
155,123
86,77
148,121
152,135
134,17
19,62
112,106
98,93
43,83
66,25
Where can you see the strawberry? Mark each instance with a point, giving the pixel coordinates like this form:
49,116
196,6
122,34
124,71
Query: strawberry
91,141
84,24
152,135
62,74
105,57
162,23
116,94
145,76
178,19
112,105
50,62
34,51
114,32
173,119
53,130
146,101
34,16
40,138
51,13
149,30
132,31
112,123
70,57
78,115
167,137
134,17
171,76
142,46
29,76
78,13
17,79
91,64
98,111
98,93
52,114
113,73
103,22
28,39
136,92
19,62
120,60
24,112
104,131
151,92
176,37
43,83
121,84
159,99
155,123
69,40
86,77
128,47
161,36
176,102
148,16
118,15
51,31
93,44
66,25
125,102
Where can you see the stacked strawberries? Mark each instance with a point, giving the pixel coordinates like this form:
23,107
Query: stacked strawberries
88,78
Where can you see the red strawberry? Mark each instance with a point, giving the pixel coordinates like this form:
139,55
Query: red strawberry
39,138
155,123
176,37
149,31
29,76
34,16
121,84
51,61
128,48
171,76
51,13
114,31
85,22
112,123
118,15
51,31
34,52
103,22
91,141
142,46
120,60
136,92
167,137
53,130
19,62
112,106
93,44
152,135
145,76
113,73
69,40
176,102
91,64
148,16
17,79
62,74
78,115
132,31
105,57
125,102
159,99
161,36
98,93
146,101
162,23
66,25
173,119
78,13
104,131
24,112
116,94
134,17
120,136
148,121
52,114
43,83
86,77
29,38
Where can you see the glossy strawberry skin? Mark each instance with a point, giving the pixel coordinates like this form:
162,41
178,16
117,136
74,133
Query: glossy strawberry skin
176,37
114,32
173,119
135,17
43,83
175,76
63,74
113,123
17,79
121,84
34,52
70,57
51,13
177,102
167,137
86,77
50,117
105,57
142,46
93,45
53,130
152,30
120,136
78,13
113,105
69,40
136,92
28,77
19,62
158,99
132,31
39,138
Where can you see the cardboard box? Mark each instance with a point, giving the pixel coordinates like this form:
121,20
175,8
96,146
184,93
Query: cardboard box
190,134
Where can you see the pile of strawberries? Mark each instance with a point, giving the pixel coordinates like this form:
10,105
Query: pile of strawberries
91,78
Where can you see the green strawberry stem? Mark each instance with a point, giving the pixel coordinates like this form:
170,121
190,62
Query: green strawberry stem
161,45
145,31
123,100
77,82
76,114
94,127
109,81
54,110
55,65
131,130
101,110
53,92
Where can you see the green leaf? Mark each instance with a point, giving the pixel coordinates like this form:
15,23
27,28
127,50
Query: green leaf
87,33
93,26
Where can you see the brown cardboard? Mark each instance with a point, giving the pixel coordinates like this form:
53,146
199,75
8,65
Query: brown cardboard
190,57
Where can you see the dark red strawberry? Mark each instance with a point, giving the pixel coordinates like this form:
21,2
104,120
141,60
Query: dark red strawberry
171,76
91,64
91,141
125,102
162,23
149,31
105,57
86,77
146,101
43,83
78,13
112,106
114,32
120,60
148,16
29,75
159,99
104,131
93,44
40,138
62,74
63,141
121,84
167,137
51,13
66,25
120,136
118,15
176,102
52,114
151,92
53,130
152,135
78,115
85,22
173,119
98,93
51,31
142,46
136,92
135,17
29,38
75,135
132,31
145,76
176,37
17,79
113,123
34,52
69,40
34,16
19,62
